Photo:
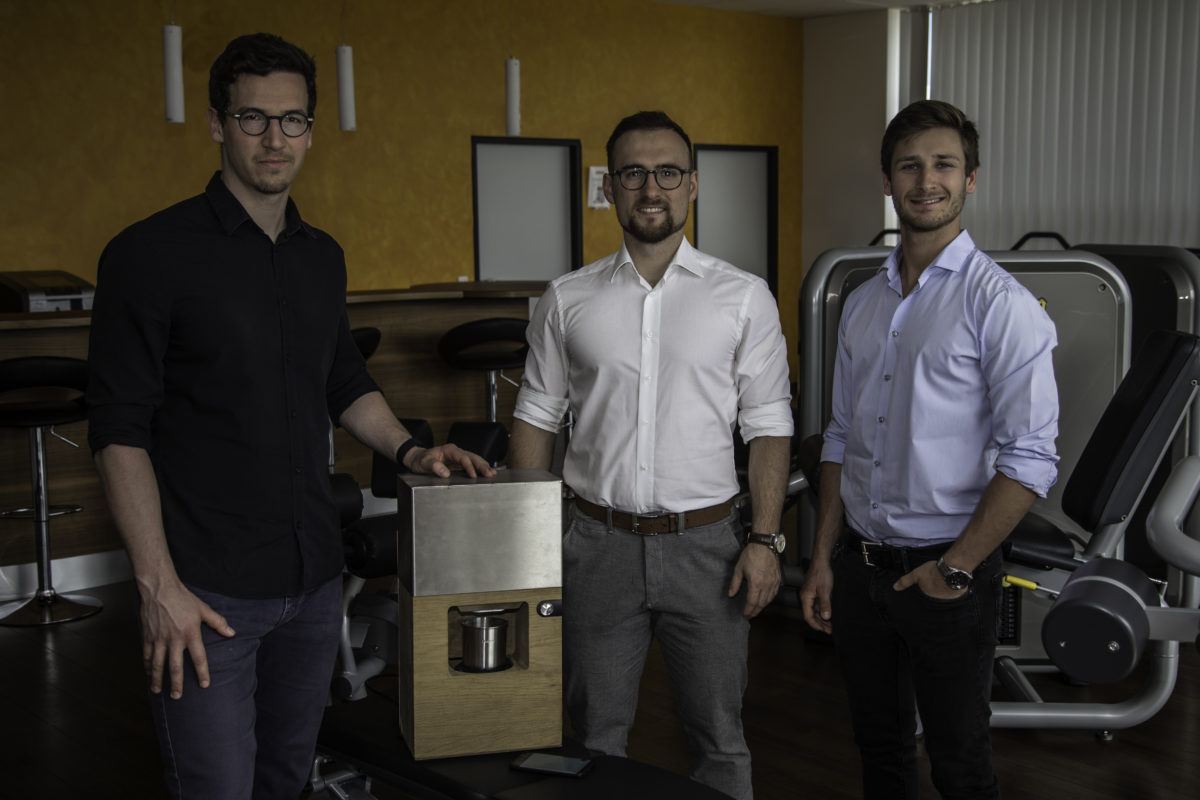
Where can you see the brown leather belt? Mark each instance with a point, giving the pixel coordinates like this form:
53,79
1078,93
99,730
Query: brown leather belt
662,523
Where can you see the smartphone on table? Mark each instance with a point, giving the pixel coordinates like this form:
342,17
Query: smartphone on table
552,764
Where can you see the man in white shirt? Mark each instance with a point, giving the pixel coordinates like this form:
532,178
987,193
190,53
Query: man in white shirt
658,350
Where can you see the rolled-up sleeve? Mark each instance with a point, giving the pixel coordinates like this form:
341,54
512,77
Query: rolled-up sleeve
542,400
129,330
833,447
348,377
1018,339
764,396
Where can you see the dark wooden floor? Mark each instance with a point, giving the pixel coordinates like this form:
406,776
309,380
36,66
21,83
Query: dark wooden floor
74,723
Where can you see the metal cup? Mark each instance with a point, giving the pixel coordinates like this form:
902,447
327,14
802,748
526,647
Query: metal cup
484,642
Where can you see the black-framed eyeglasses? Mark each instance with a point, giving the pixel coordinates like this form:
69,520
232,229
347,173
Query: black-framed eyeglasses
254,122
667,178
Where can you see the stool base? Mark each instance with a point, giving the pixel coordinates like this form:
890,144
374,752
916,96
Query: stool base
47,609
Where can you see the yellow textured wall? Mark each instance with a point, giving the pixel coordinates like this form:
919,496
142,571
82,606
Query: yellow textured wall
86,151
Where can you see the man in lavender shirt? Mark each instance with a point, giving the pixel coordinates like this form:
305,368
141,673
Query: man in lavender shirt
945,413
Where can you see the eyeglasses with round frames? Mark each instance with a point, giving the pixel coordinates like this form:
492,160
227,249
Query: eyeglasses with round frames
254,122
667,178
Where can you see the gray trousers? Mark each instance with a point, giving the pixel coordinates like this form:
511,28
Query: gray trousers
620,590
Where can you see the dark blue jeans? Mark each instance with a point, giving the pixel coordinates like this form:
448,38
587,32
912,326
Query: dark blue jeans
895,647
253,731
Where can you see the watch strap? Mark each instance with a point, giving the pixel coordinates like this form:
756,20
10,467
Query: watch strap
402,451
770,540
954,575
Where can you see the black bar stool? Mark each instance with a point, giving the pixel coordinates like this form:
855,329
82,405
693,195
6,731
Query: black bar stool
39,393
491,345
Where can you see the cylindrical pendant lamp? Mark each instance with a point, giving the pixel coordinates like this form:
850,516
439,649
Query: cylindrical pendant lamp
345,82
173,72
512,97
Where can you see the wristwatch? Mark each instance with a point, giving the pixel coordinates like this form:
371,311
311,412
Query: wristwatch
775,541
402,451
954,577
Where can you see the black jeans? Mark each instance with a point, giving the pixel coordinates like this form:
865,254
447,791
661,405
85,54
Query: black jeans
895,647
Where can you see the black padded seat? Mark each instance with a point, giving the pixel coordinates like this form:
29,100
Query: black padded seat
366,340
485,344
488,345
1123,451
37,393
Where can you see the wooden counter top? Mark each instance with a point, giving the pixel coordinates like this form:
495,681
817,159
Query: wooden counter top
478,290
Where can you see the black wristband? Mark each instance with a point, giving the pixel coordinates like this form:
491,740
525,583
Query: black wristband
402,451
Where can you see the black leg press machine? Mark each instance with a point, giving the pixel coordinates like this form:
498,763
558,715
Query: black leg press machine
455,669
1106,616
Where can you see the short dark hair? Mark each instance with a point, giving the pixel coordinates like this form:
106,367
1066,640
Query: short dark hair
646,121
925,115
258,54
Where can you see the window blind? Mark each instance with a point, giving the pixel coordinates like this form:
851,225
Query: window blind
1087,113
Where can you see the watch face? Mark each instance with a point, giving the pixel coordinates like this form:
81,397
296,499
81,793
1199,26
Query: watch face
955,578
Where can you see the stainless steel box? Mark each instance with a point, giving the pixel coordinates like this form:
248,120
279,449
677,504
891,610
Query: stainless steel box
460,534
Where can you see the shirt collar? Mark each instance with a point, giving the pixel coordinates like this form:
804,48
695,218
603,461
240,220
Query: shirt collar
953,258
232,215
686,257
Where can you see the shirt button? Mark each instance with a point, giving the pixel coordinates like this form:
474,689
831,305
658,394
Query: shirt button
643,467
874,505
895,333
877,463
881,419
887,377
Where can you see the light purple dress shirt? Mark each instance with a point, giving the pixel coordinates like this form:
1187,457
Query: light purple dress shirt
935,392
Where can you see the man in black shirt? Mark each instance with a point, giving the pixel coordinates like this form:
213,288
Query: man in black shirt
220,351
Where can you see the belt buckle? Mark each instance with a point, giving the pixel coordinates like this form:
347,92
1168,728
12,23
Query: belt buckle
633,525
865,548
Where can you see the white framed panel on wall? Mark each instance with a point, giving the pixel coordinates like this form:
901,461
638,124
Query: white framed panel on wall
737,208
528,207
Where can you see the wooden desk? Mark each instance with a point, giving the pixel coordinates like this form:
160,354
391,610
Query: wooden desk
406,366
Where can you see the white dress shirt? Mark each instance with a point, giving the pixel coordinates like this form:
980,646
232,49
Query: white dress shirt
656,377
935,392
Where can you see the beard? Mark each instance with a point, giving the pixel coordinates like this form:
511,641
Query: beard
655,233
925,223
274,186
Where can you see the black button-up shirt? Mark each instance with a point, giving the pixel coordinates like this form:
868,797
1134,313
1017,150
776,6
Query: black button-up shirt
224,356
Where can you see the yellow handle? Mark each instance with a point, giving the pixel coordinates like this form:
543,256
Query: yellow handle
1012,580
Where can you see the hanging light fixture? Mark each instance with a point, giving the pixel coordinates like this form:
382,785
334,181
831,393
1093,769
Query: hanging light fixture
172,37
512,85
512,97
345,70
345,80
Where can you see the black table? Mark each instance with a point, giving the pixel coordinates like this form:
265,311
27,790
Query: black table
365,735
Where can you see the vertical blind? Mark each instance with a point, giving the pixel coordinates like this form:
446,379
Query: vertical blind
1087,114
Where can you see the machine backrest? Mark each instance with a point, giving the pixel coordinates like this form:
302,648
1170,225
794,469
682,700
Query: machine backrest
1134,430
